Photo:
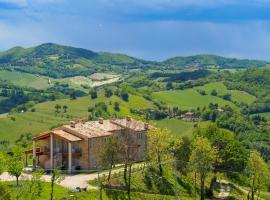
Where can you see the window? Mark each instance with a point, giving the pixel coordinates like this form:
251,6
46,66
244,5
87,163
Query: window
105,139
140,136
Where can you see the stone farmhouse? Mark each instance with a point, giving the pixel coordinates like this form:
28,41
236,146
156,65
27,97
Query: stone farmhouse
77,146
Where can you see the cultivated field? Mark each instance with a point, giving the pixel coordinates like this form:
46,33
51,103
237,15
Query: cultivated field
25,79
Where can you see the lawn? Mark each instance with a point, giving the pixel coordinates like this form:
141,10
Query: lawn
25,79
236,95
188,99
44,118
63,193
59,191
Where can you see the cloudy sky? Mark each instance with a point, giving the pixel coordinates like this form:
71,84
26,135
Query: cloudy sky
149,29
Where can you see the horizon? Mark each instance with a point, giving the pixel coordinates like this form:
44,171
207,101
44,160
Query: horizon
152,30
151,60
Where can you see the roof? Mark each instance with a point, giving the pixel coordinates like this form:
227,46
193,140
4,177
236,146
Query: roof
130,123
66,136
92,129
58,133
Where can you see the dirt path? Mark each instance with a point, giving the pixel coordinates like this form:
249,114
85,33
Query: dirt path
70,181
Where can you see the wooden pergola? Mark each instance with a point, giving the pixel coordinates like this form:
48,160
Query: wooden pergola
59,134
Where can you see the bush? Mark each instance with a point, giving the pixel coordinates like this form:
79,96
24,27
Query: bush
214,92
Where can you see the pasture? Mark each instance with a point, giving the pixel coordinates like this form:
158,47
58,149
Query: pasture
236,95
25,79
188,99
45,117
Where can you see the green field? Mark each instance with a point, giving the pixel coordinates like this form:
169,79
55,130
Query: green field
266,115
178,127
188,99
45,118
25,79
238,96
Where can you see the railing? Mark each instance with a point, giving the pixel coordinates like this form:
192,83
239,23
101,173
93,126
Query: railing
74,151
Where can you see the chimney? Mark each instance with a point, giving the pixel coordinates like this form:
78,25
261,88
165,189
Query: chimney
72,124
128,118
146,126
100,120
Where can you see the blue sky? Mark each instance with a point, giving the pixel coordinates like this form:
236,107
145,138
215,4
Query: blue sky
149,29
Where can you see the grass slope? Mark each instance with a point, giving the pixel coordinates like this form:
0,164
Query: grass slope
178,127
45,118
188,99
237,95
25,79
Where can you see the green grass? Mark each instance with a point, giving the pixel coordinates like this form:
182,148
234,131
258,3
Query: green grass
178,127
238,96
59,191
188,99
266,115
25,79
45,118
63,193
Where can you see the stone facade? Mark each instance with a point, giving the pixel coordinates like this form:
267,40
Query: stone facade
77,146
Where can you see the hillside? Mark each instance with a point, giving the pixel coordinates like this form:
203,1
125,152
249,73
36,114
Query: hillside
58,61
213,60
61,61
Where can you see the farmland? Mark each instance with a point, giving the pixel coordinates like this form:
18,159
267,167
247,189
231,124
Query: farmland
188,99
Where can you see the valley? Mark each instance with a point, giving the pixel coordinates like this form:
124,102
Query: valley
225,101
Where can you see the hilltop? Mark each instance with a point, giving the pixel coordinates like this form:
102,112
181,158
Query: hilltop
59,61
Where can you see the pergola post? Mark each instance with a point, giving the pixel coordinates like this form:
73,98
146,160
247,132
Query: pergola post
34,155
51,152
69,157
25,159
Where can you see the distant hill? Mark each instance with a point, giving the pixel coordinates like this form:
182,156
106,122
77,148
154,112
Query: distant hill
60,61
213,60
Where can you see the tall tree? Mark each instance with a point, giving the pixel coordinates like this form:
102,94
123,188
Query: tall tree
158,146
202,159
56,177
15,163
258,174
109,155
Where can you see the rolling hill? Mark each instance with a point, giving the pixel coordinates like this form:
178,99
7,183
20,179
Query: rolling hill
213,60
58,61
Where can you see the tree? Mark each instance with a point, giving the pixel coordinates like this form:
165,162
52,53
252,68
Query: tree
93,94
169,86
15,164
258,172
214,92
182,155
129,150
65,107
73,95
116,106
227,97
108,92
202,159
124,95
109,154
56,178
35,185
57,108
158,146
